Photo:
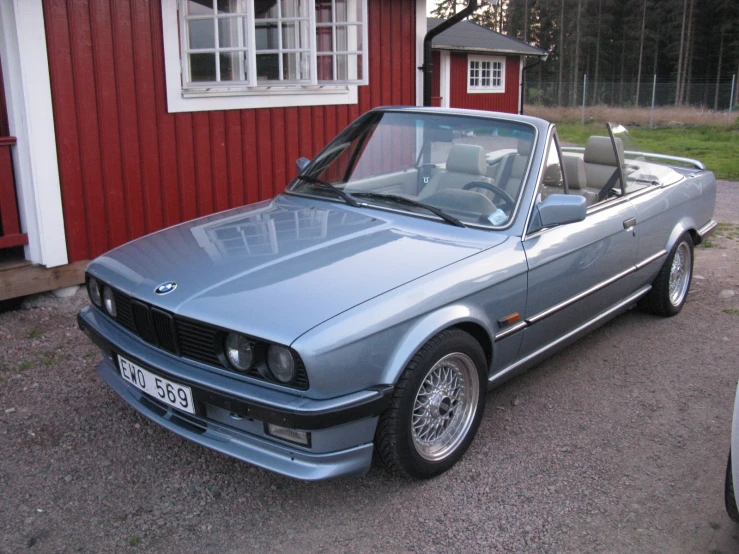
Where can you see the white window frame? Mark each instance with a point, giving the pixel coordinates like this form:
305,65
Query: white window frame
486,89
250,93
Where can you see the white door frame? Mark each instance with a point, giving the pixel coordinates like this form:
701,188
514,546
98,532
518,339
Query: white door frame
31,120
445,78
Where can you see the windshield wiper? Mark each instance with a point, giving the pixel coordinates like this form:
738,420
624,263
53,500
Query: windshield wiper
403,200
315,180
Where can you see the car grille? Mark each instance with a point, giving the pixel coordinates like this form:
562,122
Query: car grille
183,337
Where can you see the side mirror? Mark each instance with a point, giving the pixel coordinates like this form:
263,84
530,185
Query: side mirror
558,209
302,163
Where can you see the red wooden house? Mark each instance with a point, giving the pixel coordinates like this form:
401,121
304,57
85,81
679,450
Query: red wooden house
477,68
122,117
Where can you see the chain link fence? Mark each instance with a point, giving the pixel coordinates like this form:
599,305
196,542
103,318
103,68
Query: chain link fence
660,102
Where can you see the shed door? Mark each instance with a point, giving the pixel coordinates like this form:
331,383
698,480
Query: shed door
10,231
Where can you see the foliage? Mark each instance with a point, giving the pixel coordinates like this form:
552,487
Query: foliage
621,41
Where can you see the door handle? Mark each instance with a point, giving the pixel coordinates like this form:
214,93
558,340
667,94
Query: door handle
629,223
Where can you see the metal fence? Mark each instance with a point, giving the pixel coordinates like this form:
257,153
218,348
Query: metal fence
651,94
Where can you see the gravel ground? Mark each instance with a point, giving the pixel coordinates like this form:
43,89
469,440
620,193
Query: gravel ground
617,444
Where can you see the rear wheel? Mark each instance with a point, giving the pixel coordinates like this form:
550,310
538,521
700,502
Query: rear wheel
436,408
670,288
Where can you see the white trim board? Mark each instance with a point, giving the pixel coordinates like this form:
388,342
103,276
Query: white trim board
274,97
31,119
421,29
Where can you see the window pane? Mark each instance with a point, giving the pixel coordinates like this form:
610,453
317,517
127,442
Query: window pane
341,14
227,6
267,37
325,68
265,9
268,67
231,32
323,11
200,7
294,8
202,33
291,35
233,66
202,67
349,67
325,39
295,67
342,39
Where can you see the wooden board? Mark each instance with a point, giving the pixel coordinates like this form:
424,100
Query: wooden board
33,279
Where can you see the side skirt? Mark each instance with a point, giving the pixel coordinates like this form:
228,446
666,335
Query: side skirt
549,349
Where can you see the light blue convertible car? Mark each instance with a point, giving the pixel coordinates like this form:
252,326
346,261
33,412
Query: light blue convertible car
422,258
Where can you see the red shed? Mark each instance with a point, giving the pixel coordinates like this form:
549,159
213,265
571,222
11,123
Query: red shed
129,116
479,69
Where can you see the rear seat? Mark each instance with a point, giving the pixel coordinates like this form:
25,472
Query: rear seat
576,178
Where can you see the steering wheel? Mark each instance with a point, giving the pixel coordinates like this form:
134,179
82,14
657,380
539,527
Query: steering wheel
499,192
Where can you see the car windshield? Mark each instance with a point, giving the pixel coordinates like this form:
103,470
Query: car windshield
462,170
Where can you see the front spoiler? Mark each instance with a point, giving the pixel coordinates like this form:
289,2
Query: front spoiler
244,399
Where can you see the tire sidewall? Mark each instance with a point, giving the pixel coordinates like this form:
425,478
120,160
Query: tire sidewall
415,464
671,308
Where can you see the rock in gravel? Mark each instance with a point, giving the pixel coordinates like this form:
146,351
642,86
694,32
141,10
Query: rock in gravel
10,411
726,294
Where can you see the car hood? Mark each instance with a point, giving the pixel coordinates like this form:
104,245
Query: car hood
278,268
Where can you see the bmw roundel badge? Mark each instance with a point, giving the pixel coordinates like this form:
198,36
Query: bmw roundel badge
165,288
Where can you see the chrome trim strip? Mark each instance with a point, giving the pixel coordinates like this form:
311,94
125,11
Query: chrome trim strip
650,259
595,288
629,300
604,205
664,157
510,330
603,284
708,229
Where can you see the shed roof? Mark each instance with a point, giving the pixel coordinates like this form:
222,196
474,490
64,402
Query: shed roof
472,37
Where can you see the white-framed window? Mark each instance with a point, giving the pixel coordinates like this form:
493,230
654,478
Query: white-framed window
485,74
235,54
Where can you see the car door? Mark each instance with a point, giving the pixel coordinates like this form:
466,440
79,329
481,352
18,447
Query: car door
576,270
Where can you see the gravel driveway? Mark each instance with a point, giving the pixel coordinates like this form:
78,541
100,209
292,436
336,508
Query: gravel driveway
617,444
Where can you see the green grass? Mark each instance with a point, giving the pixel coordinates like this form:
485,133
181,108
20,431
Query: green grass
731,311
717,147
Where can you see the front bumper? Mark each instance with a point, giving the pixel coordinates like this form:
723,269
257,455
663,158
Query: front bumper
231,412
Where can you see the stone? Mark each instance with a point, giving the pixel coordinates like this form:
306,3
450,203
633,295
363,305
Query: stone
10,411
66,292
726,294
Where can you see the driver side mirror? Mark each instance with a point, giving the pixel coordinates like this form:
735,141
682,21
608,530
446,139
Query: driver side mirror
558,209
302,163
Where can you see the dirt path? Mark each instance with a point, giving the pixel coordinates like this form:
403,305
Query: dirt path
617,444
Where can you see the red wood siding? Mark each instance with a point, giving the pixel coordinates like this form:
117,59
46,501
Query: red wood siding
497,102
127,167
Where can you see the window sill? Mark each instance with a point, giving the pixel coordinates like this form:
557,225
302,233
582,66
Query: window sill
485,91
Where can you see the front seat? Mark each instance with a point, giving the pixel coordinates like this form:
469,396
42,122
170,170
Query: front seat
465,164
600,161
511,169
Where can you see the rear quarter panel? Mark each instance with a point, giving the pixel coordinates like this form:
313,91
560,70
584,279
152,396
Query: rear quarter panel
665,213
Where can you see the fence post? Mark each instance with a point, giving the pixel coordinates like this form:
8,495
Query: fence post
731,98
584,95
654,90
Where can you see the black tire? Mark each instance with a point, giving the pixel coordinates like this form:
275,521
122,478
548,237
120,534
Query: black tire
729,496
396,441
658,299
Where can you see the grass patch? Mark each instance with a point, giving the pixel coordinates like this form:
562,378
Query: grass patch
48,360
134,541
706,244
731,311
34,334
715,146
24,365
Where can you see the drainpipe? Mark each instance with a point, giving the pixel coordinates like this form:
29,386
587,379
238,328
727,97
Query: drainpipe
428,66
523,78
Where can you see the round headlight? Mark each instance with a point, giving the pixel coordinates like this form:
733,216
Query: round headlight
281,363
93,289
239,351
109,301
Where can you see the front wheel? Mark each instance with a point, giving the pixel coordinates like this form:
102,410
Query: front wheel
670,288
436,408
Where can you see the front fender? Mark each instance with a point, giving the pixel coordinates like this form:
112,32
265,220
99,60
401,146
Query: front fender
425,328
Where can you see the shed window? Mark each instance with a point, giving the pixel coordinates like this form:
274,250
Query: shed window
229,44
485,74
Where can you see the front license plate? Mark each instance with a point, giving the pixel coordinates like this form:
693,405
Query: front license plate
175,395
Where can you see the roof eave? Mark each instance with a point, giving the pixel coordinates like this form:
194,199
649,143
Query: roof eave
488,51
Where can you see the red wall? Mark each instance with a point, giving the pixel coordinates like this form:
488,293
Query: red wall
128,168
498,102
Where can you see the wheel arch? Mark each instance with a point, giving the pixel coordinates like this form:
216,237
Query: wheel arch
465,318
685,225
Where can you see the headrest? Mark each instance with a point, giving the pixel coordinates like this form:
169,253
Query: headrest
467,158
575,171
524,147
599,150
